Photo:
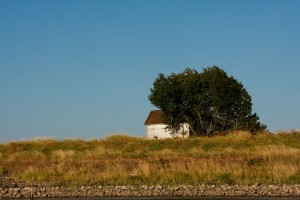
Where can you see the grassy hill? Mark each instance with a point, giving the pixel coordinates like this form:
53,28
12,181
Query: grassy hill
238,158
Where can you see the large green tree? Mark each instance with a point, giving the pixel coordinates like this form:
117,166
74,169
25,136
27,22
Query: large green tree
210,102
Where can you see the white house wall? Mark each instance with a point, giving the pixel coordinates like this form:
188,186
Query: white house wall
158,131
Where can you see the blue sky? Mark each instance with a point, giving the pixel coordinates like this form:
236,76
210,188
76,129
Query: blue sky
84,69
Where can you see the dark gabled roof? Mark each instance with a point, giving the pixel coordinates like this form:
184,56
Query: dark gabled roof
155,117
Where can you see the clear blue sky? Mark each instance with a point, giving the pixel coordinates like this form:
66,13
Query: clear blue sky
84,69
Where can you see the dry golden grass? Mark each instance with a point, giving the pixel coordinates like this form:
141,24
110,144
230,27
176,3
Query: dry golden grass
238,158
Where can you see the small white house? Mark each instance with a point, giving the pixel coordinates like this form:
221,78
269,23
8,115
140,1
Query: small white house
156,128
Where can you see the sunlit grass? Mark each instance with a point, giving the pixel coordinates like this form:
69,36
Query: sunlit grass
237,158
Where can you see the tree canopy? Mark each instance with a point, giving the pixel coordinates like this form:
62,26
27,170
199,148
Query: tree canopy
210,102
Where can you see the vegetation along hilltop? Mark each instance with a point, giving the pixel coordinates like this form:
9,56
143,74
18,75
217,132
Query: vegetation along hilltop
237,158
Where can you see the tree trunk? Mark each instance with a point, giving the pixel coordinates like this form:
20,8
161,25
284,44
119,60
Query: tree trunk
200,119
191,127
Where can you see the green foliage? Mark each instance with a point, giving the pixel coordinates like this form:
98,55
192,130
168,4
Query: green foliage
136,180
209,102
183,177
3,171
224,178
294,179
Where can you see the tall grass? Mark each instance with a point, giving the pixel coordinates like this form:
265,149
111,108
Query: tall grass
237,158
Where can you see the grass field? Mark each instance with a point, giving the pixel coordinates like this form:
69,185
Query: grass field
237,158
